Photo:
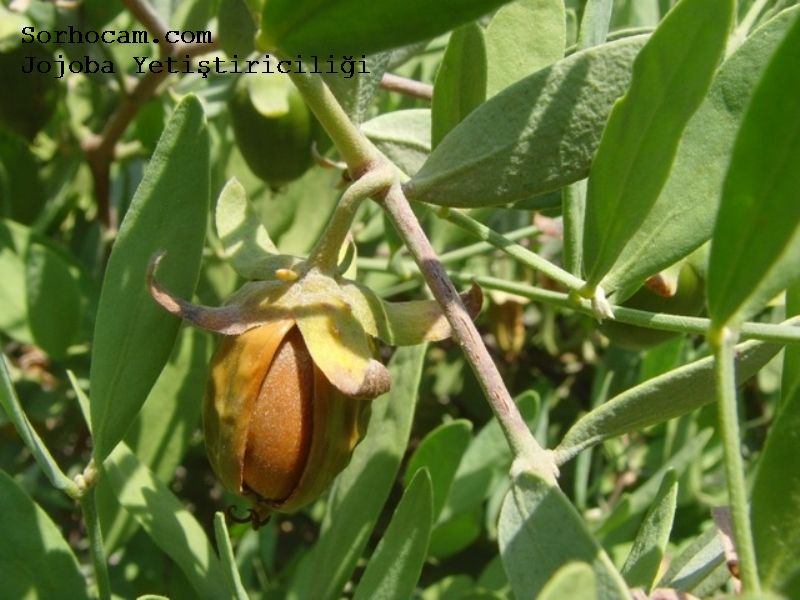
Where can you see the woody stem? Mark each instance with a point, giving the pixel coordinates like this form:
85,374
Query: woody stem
377,176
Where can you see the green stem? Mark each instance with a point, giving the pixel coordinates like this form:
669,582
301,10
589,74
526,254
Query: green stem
522,254
325,254
353,146
784,333
722,340
463,253
96,549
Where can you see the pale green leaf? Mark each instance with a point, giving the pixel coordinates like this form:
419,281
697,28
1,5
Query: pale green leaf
35,560
133,335
353,27
540,531
247,244
404,136
460,84
227,558
575,580
671,76
595,22
395,566
15,413
755,249
534,137
776,491
440,453
649,548
523,37
696,563
683,216
170,525
659,399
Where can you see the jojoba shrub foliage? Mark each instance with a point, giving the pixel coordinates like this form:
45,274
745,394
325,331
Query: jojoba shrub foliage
233,366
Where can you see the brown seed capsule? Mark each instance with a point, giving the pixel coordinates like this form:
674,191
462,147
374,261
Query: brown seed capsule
276,430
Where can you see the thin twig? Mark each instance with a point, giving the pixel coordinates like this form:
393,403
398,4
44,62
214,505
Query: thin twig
99,148
406,86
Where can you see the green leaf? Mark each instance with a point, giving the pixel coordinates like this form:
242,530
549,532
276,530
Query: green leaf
532,138
403,135
227,558
486,462
361,490
659,399
523,37
460,84
22,193
247,244
163,430
595,23
649,548
236,28
755,249
133,335
352,27
540,531
440,454
31,268
15,413
696,563
355,92
776,491
574,580
397,562
671,76
168,523
682,217
35,560
621,517
48,279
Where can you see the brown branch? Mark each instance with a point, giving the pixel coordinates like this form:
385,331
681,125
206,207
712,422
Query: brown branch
99,149
409,87
515,428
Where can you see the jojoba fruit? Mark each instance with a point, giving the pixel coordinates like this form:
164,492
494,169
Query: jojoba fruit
276,430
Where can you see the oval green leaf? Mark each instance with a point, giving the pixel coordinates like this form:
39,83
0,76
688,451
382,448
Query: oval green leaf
671,76
133,335
532,138
682,217
755,249
354,27
523,37
404,136
540,531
